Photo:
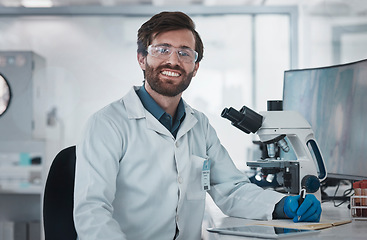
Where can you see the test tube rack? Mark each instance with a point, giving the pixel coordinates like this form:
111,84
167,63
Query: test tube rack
358,207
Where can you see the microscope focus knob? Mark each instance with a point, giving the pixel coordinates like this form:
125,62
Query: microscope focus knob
311,183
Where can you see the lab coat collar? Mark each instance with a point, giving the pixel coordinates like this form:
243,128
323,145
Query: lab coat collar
133,105
136,110
188,123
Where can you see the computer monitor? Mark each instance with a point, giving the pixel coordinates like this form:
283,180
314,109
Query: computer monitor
334,101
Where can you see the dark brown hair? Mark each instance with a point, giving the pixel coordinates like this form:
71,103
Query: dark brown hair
164,22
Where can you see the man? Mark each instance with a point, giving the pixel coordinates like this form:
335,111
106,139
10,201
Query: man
139,172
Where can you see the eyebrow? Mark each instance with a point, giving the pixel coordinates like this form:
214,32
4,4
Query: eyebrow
169,45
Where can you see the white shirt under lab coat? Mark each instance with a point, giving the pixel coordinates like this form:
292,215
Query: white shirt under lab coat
135,181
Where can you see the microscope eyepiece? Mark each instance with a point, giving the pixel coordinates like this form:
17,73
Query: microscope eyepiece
231,114
246,119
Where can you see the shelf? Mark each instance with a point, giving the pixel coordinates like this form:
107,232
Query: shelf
31,190
5,168
21,179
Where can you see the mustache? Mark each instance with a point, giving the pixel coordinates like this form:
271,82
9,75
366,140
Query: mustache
169,66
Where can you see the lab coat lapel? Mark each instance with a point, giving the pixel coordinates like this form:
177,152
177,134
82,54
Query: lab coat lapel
155,125
188,123
136,110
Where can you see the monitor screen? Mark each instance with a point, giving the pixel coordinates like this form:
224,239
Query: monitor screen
334,101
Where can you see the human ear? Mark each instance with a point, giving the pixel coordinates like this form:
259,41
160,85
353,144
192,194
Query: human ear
141,60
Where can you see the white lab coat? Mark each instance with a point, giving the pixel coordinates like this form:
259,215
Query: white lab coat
135,181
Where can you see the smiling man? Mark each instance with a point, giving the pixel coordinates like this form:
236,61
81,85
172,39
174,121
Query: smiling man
146,161
170,65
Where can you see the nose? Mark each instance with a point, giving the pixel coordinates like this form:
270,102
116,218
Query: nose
174,58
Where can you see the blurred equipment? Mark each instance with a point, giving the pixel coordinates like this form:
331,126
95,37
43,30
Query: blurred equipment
24,96
275,129
5,95
23,136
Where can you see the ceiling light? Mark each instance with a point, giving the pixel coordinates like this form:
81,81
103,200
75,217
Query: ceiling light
10,3
37,3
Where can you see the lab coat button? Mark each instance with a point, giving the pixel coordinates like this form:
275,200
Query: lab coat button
180,180
177,144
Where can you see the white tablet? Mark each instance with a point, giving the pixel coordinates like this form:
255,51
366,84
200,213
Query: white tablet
260,231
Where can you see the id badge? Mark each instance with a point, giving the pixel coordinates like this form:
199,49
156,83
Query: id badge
205,175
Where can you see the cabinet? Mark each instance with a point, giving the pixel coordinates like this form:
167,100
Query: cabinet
25,118
22,145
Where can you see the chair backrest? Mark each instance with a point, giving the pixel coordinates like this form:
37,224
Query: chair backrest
58,198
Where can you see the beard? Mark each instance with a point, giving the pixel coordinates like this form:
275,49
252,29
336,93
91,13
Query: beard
166,87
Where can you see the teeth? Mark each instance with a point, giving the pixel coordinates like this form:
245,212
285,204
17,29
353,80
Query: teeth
171,74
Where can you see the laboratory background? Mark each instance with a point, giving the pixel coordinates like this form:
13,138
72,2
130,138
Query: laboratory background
62,60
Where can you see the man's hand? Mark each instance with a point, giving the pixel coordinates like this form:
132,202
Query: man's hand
309,211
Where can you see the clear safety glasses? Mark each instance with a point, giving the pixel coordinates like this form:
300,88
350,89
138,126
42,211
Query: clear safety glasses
163,52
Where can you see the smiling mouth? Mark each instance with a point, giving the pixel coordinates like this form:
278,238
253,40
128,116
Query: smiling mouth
170,73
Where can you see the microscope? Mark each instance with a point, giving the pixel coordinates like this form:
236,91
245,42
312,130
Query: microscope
275,129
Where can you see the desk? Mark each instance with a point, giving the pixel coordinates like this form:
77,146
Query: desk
356,230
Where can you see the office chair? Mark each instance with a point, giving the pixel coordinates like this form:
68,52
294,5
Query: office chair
58,201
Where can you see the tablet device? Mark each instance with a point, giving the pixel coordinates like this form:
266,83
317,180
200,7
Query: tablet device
260,231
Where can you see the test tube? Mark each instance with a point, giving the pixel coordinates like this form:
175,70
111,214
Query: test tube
364,199
357,200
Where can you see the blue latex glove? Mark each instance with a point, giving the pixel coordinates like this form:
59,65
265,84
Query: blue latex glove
309,211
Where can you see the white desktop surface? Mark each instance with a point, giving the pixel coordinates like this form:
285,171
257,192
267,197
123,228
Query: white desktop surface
357,229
